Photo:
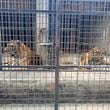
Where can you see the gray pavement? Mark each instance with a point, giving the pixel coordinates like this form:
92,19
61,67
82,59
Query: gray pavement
51,107
50,76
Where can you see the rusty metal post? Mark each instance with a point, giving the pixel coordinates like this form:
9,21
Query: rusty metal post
57,47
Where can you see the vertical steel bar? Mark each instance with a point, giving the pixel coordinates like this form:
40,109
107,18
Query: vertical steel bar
57,46
78,53
0,52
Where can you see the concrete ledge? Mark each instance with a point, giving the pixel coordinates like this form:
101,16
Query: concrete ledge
46,76
39,87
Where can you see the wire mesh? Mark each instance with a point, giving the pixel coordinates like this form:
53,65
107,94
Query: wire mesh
84,54
27,58
54,54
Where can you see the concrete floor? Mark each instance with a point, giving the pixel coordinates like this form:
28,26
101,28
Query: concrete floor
65,106
50,76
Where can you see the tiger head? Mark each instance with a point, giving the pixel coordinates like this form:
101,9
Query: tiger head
12,48
98,51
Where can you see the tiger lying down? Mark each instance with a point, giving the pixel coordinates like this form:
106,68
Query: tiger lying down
22,54
95,56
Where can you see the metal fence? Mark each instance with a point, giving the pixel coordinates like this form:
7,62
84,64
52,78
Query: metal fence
54,54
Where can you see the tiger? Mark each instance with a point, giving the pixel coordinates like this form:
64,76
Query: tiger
94,56
23,53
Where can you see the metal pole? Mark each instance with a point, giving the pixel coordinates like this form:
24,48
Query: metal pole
0,52
57,47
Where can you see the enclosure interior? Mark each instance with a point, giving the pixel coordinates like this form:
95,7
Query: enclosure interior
55,53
